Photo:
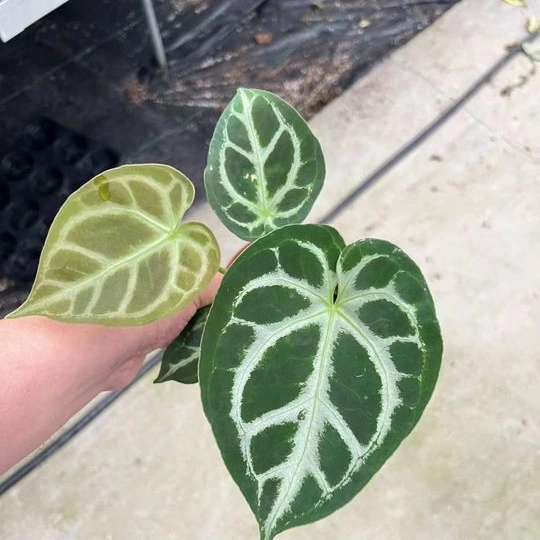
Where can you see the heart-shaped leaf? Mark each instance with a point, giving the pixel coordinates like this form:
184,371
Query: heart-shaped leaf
317,360
180,360
118,254
265,167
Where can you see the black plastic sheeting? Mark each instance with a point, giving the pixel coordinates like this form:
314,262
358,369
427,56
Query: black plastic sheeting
88,66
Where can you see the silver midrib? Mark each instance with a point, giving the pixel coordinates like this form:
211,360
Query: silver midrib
303,460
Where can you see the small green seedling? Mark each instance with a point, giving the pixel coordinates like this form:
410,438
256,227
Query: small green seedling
316,358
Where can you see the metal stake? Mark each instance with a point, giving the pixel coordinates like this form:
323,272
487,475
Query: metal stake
155,34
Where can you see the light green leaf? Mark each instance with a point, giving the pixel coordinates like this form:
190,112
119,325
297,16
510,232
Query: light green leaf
118,254
265,167
532,51
180,360
317,360
533,25
516,3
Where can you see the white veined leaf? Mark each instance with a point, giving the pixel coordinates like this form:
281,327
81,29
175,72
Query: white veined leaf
317,360
118,253
265,167
180,360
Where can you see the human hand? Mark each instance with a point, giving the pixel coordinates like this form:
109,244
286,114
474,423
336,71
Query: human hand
116,354
128,347
49,370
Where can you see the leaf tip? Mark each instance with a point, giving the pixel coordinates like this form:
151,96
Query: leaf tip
21,311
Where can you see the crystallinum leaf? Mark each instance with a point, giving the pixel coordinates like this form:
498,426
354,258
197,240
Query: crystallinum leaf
317,361
118,252
265,167
180,360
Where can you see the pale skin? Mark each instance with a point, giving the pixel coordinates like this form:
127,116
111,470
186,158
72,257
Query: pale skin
50,370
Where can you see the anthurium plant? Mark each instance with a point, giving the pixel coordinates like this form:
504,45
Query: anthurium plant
316,358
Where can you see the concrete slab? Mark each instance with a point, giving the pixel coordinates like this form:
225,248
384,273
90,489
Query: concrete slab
471,218
416,84
466,206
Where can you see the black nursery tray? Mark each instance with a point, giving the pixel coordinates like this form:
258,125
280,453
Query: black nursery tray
37,173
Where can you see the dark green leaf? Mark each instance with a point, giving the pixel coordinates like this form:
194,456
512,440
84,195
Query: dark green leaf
316,362
265,166
180,360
